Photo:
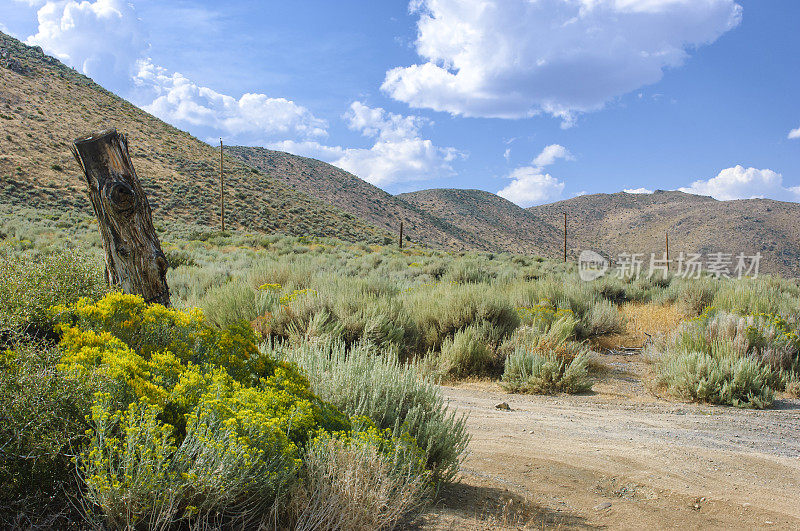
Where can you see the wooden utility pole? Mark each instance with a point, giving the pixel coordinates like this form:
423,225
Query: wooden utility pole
133,256
221,188
666,237
401,234
565,236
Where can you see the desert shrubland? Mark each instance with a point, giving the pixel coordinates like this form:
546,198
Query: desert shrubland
726,358
294,380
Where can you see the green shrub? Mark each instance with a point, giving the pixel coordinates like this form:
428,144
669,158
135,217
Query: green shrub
178,257
468,272
723,358
42,425
594,315
545,363
793,386
543,315
600,319
361,481
439,312
763,295
364,381
537,372
740,382
229,304
541,333
691,295
466,354
767,338
30,285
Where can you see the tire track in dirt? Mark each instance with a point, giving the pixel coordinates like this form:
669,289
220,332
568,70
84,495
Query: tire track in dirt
623,459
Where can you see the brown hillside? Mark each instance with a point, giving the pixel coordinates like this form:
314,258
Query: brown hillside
44,105
499,223
346,191
622,222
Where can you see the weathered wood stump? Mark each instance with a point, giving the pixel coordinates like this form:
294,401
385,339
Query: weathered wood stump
134,260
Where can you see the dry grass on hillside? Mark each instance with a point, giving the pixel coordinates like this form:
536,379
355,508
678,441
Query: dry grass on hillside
46,105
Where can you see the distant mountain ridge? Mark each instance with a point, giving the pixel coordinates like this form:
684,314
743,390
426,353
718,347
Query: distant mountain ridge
503,225
624,222
337,187
449,219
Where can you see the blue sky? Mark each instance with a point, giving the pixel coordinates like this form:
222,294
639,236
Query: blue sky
538,100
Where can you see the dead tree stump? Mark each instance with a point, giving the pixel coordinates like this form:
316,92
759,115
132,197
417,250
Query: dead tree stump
134,260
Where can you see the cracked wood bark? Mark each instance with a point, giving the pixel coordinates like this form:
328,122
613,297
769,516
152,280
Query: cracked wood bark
134,260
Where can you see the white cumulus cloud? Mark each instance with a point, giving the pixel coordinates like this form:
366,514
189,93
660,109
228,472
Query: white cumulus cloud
794,133
249,119
550,154
744,183
519,58
102,39
399,153
530,185
637,191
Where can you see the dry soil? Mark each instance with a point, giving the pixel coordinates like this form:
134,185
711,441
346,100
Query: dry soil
620,458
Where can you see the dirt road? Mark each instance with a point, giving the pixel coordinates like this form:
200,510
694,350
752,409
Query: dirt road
621,458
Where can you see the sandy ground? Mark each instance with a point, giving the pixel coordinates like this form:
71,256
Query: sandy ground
621,458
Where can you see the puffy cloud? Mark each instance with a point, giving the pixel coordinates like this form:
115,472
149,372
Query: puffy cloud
794,133
402,161
102,39
388,127
252,118
399,154
531,187
744,183
550,154
518,58
637,191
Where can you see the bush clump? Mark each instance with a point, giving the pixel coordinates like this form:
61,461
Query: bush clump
42,426
440,312
729,380
31,284
546,363
724,358
362,480
188,421
465,354
367,382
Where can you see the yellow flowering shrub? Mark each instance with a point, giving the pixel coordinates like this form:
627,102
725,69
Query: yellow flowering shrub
187,419
151,328
541,316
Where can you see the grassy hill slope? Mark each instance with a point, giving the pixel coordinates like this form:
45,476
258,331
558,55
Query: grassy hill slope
44,105
622,222
337,187
499,223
